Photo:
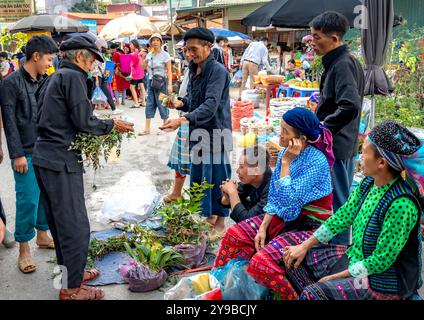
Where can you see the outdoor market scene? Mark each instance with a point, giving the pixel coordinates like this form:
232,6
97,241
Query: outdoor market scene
211,150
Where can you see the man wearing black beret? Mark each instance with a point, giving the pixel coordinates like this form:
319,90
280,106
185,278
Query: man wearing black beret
65,111
209,116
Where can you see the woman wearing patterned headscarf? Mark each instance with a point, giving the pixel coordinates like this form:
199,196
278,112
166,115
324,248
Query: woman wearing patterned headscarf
384,260
299,200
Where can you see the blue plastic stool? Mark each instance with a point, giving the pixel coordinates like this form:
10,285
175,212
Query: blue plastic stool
304,93
287,91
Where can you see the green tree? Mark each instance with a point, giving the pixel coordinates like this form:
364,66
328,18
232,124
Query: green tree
89,6
13,42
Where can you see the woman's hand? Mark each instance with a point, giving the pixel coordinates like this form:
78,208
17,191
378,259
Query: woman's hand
340,275
293,150
260,239
294,254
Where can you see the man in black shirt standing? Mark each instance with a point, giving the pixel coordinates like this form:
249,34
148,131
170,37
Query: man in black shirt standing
19,109
65,111
342,90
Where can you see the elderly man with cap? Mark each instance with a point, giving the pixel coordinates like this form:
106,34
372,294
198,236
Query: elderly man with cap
65,111
384,261
209,116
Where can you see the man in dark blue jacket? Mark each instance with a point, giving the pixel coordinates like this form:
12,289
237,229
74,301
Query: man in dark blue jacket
342,91
209,116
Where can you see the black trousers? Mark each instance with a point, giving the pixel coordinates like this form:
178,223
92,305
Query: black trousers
2,213
62,195
105,89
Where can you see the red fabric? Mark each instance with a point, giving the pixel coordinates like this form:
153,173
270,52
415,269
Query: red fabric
326,203
266,265
119,83
179,175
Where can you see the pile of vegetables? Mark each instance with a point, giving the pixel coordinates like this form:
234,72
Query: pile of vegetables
181,219
92,147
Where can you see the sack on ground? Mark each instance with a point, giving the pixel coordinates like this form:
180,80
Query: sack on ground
193,254
140,278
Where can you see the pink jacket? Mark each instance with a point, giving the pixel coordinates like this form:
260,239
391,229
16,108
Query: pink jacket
137,71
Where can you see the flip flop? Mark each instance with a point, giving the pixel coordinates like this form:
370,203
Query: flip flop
134,107
26,264
144,133
49,246
168,199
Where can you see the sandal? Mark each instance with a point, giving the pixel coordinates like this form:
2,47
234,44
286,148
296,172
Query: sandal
82,293
50,245
144,133
90,275
135,107
168,199
26,264
215,236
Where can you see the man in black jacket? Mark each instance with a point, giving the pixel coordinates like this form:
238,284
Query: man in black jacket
209,116
65,111
248,198
19,110
342,90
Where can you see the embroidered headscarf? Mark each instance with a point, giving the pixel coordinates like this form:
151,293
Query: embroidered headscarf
403,150
308,124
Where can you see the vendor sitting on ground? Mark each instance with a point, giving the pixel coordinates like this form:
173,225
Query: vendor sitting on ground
384,260
299,199
249,197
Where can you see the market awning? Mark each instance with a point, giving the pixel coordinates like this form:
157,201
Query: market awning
299,13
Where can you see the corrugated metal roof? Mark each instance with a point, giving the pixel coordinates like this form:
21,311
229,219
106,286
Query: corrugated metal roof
229,3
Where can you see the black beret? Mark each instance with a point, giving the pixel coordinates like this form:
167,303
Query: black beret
200,33
82,42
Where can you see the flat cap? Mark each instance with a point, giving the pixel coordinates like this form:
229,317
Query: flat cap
200,33
82,42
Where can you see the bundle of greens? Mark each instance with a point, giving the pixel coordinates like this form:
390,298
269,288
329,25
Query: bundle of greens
181,218
91,147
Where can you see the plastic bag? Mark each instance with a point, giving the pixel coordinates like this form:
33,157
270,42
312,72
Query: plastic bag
140,278
98,96
134,194
199,287
236,80
193,254
237,284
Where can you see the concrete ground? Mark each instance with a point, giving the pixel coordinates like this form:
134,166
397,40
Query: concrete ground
147,154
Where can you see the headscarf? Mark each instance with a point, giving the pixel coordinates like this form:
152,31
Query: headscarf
402,149
308,124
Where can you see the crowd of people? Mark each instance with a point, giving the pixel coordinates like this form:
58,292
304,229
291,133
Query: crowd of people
305,235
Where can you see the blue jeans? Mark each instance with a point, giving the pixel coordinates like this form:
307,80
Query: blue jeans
153,102
342,177
30,214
